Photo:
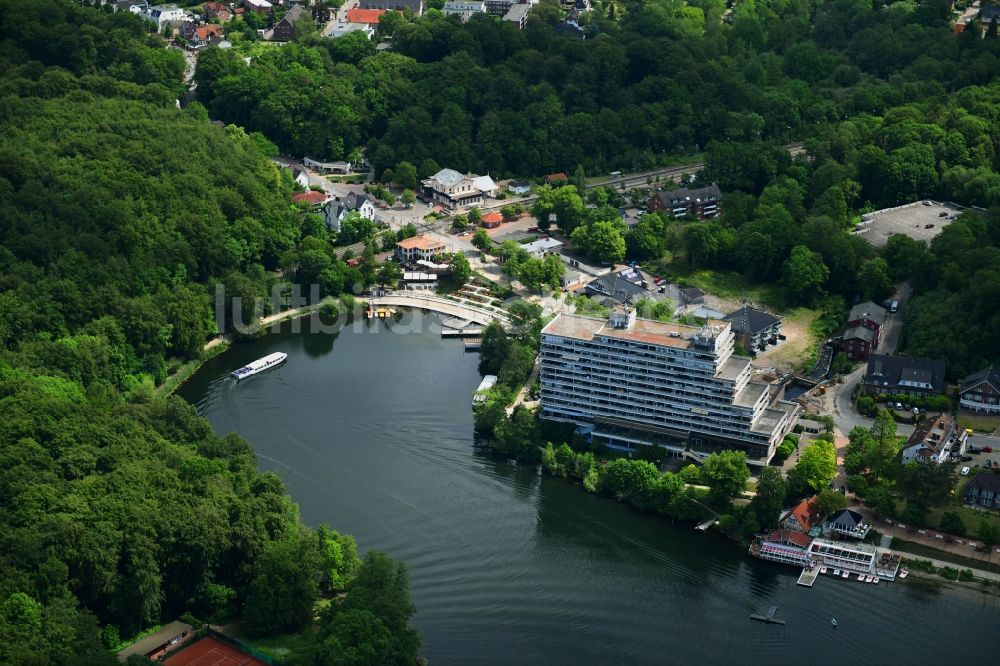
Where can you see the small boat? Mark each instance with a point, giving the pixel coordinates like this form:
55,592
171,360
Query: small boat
846,574
822,570
904,573
868,579
861,578
833,621
260,365
836,572
875,580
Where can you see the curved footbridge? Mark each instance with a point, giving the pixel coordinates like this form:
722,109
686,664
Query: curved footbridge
464,310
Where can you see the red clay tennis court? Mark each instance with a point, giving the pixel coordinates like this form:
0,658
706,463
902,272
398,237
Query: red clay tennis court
211,651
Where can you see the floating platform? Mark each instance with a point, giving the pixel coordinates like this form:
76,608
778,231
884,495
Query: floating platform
808,577
769,617
462,333
473,344
380,313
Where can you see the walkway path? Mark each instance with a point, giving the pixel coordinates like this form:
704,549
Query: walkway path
479,315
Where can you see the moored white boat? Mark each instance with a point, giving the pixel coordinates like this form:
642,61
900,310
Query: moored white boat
822,570
875,580
904,573
260,365
836,572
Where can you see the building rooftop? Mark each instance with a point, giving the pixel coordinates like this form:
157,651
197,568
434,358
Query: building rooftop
985,481
684,195
893,371
750,320
310,197
859,333
447,177
869,311
421,242
750,394
493,217
370,16
990,375
644,330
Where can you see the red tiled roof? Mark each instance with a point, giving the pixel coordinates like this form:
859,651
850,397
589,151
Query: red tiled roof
806,513
493,217
790,536
310,197
420,243
206,31
556,176
364,15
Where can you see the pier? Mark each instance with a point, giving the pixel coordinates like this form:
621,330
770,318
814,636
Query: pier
808,576
769,618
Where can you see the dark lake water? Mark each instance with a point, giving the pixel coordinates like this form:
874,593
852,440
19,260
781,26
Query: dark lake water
372,432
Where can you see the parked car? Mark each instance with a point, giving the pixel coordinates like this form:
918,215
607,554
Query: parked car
973,449
966,458
916,410
987,449
943,213
965,471
928,226
899,405
926,203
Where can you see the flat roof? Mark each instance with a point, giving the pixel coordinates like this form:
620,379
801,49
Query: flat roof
749,396
644,330
153,641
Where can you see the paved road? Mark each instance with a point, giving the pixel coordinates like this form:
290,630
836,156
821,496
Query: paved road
894,323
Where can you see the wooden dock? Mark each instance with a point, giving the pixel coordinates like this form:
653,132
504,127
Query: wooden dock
462,333
473,344
808,576
769,618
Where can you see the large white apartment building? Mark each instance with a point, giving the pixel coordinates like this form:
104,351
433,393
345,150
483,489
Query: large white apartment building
630,382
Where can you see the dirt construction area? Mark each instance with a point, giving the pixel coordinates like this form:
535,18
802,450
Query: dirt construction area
921,220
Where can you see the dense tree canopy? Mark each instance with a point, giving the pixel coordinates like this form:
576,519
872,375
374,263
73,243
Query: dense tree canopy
119,213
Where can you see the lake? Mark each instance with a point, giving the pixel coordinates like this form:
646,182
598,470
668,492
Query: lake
371,431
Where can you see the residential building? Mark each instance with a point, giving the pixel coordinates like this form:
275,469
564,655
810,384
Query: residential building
984,491
625,285
849,523
556,179
570,29
336,210
203,35
754,329
630,382
899,374
464,9
310,197
284,30
456,190
980,391
415,6
692,295
803,517
520,187
418,247
492,220
934,440
518,15
163,15
257,6
131,6
300,177
366,18
216,11
864,330
702,203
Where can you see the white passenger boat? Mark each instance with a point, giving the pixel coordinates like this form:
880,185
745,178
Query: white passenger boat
836,572
260,365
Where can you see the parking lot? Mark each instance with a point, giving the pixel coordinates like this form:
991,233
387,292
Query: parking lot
917,220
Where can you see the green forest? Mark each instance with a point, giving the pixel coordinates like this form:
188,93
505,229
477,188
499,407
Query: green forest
120,510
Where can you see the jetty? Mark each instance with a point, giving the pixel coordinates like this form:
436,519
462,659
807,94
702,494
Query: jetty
769,617
808,576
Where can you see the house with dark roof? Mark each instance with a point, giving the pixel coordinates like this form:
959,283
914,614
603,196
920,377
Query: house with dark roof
519,186
754,329
803,517
849,524
692,295
864,329
901,374
980,391
935,440
624,286
336,210
284,30
984,491
702,203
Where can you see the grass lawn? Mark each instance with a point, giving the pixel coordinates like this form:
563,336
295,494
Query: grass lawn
971,518
284,647
978,422
725,284
933,553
